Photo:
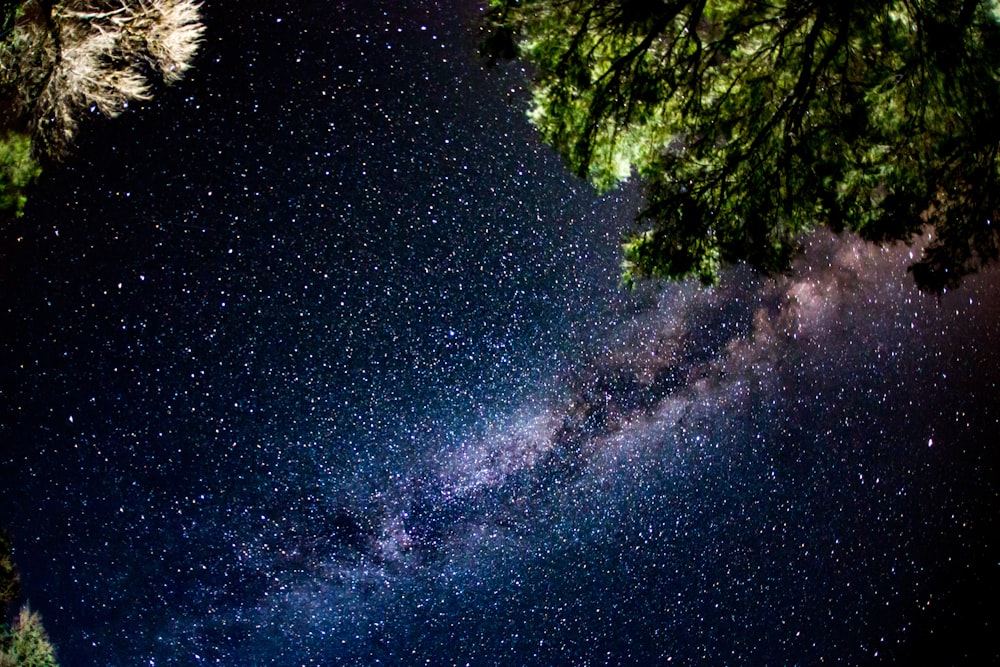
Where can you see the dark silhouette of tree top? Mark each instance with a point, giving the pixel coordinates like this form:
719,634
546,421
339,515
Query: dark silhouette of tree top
751,122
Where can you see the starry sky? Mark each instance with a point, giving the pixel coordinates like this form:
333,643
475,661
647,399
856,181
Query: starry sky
321,359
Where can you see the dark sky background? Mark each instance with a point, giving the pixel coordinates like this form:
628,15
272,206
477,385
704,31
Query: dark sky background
321,359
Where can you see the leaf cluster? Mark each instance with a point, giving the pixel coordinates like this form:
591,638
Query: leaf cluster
752,122
9,11
18,169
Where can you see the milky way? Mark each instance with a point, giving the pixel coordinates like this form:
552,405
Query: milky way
322,360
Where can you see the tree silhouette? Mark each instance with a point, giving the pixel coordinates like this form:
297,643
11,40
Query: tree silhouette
751,122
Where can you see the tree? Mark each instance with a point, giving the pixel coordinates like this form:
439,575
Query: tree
10,580
61,59
25,643
18,168
67,57
750,123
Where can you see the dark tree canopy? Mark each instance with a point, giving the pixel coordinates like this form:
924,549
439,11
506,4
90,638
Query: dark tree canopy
753,122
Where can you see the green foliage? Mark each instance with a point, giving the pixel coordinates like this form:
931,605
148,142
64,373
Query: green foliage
752,122
10,581
18,169
9,11
26,644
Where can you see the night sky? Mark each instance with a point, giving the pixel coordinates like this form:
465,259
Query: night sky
321,359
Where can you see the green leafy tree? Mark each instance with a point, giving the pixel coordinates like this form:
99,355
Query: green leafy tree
18,168
26,644
750,123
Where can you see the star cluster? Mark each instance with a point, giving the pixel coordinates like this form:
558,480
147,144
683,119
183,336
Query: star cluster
321,359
